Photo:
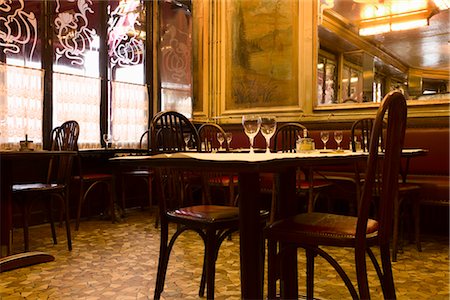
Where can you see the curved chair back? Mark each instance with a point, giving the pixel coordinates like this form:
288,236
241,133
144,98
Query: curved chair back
395,103
64,138
208,136
144,141
167,129
362,129
286,136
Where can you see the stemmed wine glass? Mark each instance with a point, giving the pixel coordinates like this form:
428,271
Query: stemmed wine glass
268,127
228,137
220,139
338,138
116,139
324,136
251,124
107,138
186,138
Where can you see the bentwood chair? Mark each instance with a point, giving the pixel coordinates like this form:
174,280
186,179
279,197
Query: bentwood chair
225,182
212,222
55,187
145,174
407,192
167,131
285,139
312,231
87,181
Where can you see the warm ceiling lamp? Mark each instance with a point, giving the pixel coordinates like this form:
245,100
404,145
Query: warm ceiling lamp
394,15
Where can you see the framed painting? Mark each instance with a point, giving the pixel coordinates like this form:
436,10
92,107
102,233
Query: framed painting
261,56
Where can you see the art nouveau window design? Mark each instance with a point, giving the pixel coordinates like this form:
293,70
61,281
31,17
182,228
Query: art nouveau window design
128,116
21,93
176,57
76,83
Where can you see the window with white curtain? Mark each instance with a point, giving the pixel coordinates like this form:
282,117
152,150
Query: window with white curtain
78,98
129,113
21,97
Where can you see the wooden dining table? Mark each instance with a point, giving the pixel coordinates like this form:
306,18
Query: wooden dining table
249,166
10,159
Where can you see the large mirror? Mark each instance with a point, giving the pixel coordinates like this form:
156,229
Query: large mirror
370,47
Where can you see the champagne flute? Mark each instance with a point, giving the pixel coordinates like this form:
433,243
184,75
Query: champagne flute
251,124
338,136
268,127
107,138
186,138
229,137
324,136
220,139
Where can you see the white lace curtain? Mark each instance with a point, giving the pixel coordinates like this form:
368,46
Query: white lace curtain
129,118
78,98
21,97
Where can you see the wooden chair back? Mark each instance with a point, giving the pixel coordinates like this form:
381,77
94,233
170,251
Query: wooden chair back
166,133
144,141
64,138
286,136
361,130
208,137
395,103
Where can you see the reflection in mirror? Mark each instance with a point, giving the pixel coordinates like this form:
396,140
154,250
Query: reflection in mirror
357,66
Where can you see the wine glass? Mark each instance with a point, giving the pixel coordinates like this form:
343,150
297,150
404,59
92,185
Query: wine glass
107,138
338,136
220,139
229,137
324,136
116,139
251,124
268,127
186,138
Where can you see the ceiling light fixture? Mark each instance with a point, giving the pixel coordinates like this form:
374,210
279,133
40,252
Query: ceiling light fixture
394,15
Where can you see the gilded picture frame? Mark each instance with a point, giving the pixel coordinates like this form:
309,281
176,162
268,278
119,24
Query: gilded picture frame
261,57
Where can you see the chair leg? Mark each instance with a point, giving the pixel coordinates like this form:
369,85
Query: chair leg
25,212
163,261
416,215
67,219
395,227
361,273
272,269
210,262
80,203
50,218
310,273
388,279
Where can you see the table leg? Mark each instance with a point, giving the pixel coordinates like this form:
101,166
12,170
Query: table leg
251,240
287,205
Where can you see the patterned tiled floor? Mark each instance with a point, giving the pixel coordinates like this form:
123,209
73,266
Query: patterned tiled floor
118,261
